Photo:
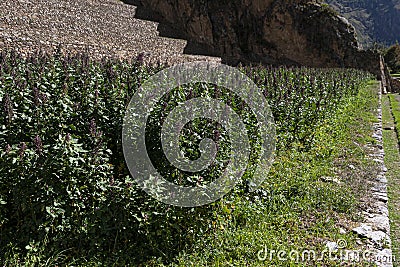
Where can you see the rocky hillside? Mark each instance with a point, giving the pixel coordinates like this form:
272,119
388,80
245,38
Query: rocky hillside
374,20
292,32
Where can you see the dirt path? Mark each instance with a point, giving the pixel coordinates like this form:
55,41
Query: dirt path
102,27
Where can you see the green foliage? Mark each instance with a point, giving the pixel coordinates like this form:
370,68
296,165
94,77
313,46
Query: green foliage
301,98
392,58
66,193
395,104
296,208
329,10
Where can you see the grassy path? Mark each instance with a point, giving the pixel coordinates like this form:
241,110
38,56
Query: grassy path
391,125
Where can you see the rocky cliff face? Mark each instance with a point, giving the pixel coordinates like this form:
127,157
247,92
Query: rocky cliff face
292,32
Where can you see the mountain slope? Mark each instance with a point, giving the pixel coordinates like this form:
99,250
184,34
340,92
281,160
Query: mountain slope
374,20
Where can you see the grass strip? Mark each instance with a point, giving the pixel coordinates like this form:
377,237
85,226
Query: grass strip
395,105
390,108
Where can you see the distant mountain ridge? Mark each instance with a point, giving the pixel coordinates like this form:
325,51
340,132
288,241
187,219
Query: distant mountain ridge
374,20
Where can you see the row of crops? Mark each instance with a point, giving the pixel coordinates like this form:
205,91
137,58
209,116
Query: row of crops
63,179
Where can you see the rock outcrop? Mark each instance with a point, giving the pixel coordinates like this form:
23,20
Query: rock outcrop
270,32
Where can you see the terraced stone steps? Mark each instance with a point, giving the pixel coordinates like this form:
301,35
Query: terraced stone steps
102,28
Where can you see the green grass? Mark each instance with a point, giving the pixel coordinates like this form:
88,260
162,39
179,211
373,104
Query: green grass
395,75
390,108
395,104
